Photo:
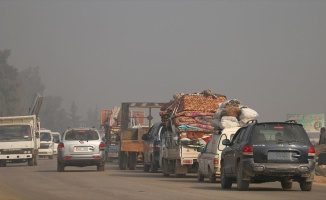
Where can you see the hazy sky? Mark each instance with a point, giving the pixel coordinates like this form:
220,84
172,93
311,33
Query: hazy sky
270,55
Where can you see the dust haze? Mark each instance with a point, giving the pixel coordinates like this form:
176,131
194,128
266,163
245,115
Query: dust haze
270,55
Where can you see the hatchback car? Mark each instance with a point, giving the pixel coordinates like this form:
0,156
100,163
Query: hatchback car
268,152
81,147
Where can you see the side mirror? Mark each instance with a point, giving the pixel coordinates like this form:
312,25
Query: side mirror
226,142
146,137
200,149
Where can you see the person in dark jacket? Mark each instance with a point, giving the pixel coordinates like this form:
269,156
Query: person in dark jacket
322,138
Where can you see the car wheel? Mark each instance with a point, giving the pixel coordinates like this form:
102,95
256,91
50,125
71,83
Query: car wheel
60,167
305,186
164,167
153,167
241,184
226,182
146,168
211,176
286,185
100,167
200,176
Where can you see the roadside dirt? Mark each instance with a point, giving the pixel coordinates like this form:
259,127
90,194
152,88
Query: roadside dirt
320,178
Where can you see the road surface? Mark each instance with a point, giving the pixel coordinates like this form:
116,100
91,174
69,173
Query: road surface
43,182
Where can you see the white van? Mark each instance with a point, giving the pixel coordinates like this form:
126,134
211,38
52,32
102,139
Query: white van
209,157
47,145
56,141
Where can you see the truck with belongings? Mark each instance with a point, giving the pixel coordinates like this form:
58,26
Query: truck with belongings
188,119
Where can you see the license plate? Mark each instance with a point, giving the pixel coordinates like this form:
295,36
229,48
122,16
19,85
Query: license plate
275,156
82,149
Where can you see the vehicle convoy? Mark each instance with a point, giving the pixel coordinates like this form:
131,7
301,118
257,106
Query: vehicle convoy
19,141
152,141
133,126
209,157
188,120
268,152
47,144
81,147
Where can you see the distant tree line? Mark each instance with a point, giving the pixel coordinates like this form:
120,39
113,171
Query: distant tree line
17,93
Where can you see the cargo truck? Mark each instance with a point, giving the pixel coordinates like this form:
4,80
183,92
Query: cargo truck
19,140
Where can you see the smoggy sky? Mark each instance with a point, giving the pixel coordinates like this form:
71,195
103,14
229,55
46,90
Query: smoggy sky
270,55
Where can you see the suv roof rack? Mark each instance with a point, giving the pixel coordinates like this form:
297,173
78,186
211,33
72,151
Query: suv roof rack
254,121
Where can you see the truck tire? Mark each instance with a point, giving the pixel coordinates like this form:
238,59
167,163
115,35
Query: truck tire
122,160
305,186
153,167
132,160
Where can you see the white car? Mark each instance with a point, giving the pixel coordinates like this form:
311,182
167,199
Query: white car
209,157
56,140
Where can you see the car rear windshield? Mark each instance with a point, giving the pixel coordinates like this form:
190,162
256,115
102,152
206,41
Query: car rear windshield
278,132
82,135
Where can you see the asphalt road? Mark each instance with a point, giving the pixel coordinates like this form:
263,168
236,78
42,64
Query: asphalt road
43,182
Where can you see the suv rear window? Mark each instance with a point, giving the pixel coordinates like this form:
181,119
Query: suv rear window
279,132
81,135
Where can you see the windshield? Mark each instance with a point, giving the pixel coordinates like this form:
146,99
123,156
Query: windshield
82,135
279,133
45,136
15,132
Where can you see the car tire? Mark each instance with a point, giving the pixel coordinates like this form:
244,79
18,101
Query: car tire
60,167
305,186
153,167
286,185
100,167
164,167
241,184
200,176
226,182
211,176
146,168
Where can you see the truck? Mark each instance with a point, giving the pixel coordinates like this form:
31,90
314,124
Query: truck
133,126
19,140
188,121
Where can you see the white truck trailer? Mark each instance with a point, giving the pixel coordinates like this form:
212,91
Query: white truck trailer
19,140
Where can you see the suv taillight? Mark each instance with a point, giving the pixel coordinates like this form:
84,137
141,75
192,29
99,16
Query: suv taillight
247,150
102,146
61,145
311,151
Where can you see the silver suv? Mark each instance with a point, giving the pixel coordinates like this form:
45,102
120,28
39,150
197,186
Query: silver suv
81,147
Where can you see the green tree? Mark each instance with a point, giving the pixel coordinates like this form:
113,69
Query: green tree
9,87
75,119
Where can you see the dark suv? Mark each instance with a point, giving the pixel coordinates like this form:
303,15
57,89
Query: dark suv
152,147
268,152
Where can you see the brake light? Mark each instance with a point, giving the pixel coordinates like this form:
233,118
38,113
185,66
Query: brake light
247,150
311,151
156,147
61,145
102,146
216,161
